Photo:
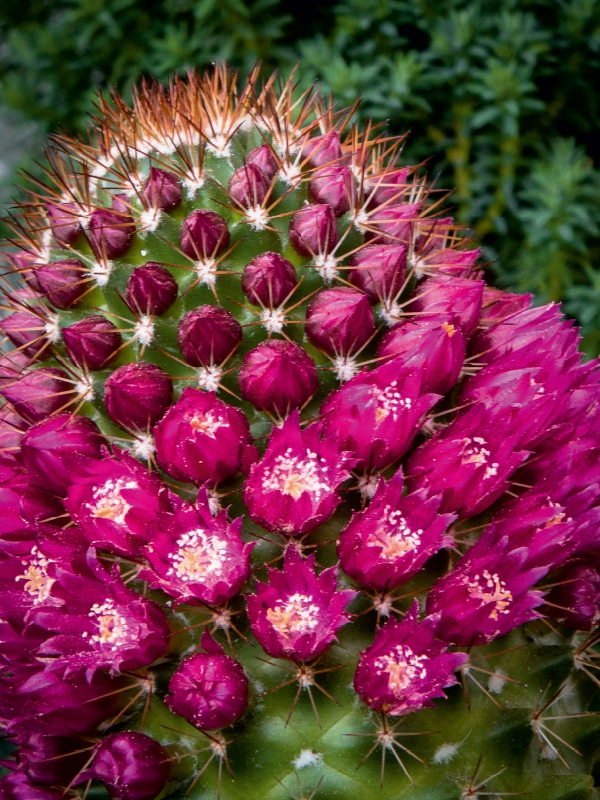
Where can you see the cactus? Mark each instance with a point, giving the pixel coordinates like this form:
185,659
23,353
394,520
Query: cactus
294,505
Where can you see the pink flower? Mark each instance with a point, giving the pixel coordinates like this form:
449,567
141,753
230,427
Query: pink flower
575,599
294,488
195,557
386,544
406,666
202,439
450,295
297,614
376,415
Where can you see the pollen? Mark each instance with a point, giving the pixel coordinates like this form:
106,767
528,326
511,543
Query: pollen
389,401
114,630
489,588
450,329
208,423
394,537
110,503
475,453
201,557
37,581
293,476
297,615
403,667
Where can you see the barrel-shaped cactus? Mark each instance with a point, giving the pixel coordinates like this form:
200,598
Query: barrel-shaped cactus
292,503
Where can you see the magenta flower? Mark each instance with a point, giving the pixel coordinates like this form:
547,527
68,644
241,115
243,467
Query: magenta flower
436,345
294,488
269,279
47,760
498,305
298,613
313,230
114,501
202,439
18,785
63,282
40,393
207,335
575,599
151,289
450,295
386,544
334,185
487,593
195,557
471,471
406,667
339,321
92,342
97,622
55,450
137,395
203,234
376,415
131,765
379,270
11,435
278,376
162,190
209,689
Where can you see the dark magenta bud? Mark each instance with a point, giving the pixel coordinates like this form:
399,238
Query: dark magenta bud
268,280
339,321
263,158
387,186
64,221
203,234
324,149
92,342
151,289
18,786
209,689
379,270
55,450
131,765
47,759
111,230
393,224
207,335
137,395
63,282
248,186
449,295
162,190
333,185
575,599
40,393
313,230
12,365
278,376
26,331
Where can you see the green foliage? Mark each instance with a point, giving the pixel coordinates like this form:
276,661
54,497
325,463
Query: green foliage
499,95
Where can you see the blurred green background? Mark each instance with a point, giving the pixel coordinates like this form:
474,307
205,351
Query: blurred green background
500,97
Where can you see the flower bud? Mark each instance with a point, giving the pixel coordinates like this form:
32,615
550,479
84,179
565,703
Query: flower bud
455,263
114,501
197,558
55,450
436,345
377,414
131,765
333,185
387,187
498,305
203,234
268,280
202,439
162,190
111,231
294,488
379,271
575,598
278,376
92,342
64,221
209,689
63,282
47,759
12,365
297,614
406,666
151,289
383,546
137,395
40,393
449,295
263,158
323,149
207,335
248,186
339,321
313,230
393,224
26,331
11,435
18,786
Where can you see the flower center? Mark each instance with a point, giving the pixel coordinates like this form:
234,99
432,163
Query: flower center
490,589
402,665
393,536
37,581
297,615
292,475
110,503
208,423
389,401
450,329
113,628
476,453
200,557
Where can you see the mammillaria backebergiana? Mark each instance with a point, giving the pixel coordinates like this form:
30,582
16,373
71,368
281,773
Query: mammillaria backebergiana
285,487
